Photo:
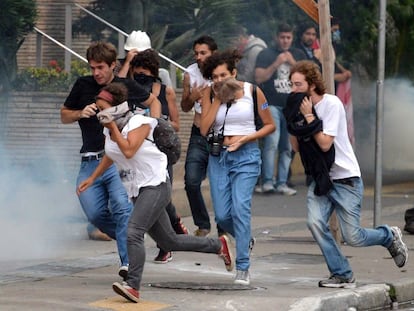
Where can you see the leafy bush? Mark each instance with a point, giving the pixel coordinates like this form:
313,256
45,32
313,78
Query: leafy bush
51,78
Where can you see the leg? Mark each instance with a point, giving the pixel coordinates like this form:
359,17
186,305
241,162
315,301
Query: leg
244,169
270,143
149,205
320,209
94,201
347,200
220,190
285,157
195,172
121,208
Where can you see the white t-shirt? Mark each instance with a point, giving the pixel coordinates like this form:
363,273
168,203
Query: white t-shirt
148,167
196,80
331,111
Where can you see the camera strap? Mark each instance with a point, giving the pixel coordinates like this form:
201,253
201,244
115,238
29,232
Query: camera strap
221,131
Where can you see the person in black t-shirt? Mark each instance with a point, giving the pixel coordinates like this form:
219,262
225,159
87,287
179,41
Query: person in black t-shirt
272,75
105,203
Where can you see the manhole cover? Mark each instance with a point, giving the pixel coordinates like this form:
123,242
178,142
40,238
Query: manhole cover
200,286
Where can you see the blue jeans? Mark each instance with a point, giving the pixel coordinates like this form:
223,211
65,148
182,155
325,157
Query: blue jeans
346,201
195,172
106,204
278,141
150,215
233,176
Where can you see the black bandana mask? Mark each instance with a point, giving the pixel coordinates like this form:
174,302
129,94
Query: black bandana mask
145,81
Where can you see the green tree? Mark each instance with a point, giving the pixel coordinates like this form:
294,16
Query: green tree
172,25
17,18
401,29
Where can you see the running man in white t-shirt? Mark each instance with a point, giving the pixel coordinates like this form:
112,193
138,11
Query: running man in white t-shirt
346,192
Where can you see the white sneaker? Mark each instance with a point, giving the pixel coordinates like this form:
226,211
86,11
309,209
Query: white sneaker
258,189
268,188
285,190
242,278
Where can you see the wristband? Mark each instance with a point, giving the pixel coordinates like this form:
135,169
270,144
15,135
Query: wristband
308,115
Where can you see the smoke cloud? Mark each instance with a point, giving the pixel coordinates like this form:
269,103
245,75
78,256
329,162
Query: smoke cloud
39,211
398,161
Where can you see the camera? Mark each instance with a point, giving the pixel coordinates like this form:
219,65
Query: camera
215,141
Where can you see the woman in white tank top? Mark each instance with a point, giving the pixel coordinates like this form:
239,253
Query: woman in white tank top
234,162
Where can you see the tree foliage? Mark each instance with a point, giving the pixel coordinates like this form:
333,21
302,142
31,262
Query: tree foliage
17,18
173,25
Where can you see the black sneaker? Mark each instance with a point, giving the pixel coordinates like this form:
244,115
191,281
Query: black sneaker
338,282
398,249
123,272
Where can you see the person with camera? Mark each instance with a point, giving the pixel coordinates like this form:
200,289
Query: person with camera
234,161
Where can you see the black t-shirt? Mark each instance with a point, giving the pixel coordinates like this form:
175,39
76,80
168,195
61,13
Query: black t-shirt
277,88
83,93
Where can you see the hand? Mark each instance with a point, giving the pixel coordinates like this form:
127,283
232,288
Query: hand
282,58
131,54
89,111
84,185
289,58
197,92
317,53
306,106
235,145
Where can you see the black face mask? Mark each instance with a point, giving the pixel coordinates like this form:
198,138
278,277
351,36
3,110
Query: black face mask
145,81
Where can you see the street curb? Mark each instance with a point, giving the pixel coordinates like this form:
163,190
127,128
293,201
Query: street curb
363,298
402,291
367,297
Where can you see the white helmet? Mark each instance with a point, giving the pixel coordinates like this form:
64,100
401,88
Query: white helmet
138,40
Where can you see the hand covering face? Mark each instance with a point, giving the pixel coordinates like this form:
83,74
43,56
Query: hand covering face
119,114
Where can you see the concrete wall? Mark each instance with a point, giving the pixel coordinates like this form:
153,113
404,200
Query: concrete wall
32,130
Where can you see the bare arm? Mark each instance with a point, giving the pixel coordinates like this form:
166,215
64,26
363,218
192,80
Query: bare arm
68,116
129,145
209,111
264,74
190,94
343,75
172,108
294,143
123,72
100,169
186,102
266,116
154,105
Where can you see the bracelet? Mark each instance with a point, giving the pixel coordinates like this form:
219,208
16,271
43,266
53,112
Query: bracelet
308,115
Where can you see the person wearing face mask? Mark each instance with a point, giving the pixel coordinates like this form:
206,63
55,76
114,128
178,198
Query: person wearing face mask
144,69
105,203
137,42
129,144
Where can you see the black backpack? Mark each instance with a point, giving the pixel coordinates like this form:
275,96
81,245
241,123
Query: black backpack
167,140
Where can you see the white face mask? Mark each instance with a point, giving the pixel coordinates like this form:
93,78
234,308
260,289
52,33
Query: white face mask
336,36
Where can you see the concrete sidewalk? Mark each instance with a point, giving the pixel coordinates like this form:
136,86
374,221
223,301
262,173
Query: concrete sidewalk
286,266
